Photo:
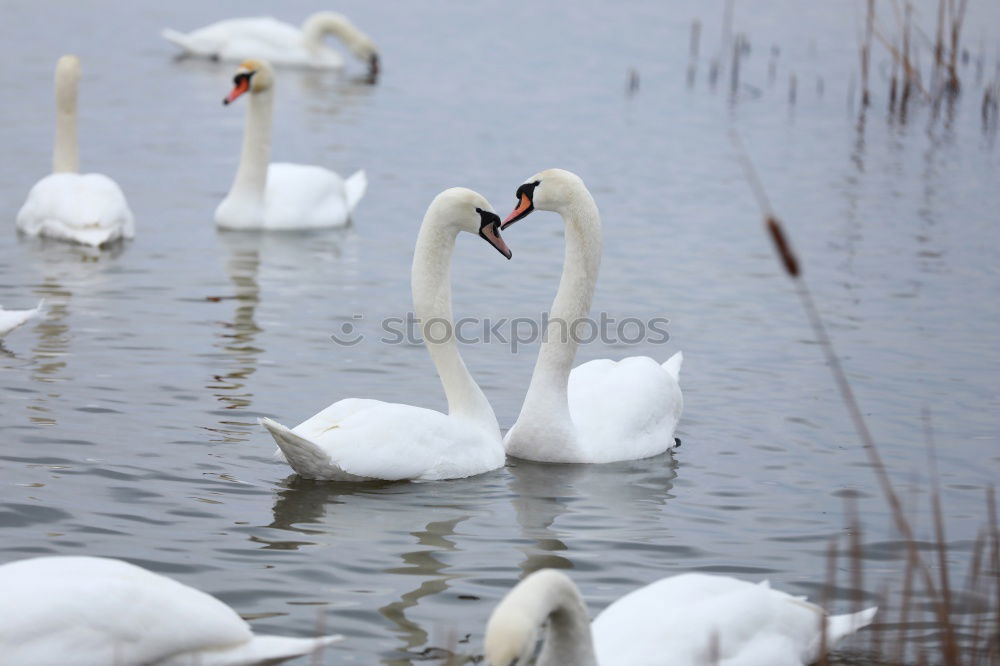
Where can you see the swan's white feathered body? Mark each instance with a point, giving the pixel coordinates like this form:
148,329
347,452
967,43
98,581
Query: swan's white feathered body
357,439
81,208
601,411
267,38
297,196
84,208
280,196
11,319
686,620
620,410
93,611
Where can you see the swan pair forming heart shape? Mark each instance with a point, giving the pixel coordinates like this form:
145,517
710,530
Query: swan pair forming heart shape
601,411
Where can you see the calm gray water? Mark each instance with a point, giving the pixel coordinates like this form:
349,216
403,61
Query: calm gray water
128,413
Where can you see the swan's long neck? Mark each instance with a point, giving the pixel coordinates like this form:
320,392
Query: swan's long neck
251,176
66,153
321,24
431,281
546,598
547,396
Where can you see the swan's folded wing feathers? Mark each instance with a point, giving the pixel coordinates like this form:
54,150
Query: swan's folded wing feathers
106,611
303,196
623,410
389,441
86,208
692,616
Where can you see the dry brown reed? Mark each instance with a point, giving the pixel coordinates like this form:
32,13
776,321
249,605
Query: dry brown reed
976,648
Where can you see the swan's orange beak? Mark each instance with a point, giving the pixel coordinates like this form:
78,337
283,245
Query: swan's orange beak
524,207
242,82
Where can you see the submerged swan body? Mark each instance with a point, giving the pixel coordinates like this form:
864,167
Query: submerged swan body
11,319
359,439
96,611
686,620
90,208
281,43
280,196
601,411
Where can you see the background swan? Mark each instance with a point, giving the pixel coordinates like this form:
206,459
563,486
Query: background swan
603,410
11,319
279,42
83,208
686,620
280,195
98,611
357,439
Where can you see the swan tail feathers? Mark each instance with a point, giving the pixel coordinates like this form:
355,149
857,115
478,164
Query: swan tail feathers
305,457
178,38
354,188
673,365
259,649
840,626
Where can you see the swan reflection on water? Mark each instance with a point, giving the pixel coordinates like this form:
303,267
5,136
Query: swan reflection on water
543,493
260,265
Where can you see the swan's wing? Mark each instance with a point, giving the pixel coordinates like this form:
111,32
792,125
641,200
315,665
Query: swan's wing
379,440
85,208
698,617
104,611
299,196
11,319
624,410
216,39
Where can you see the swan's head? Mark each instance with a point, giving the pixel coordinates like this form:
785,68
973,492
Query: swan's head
332,23
466,210
513,629
67,79
252,76
552,189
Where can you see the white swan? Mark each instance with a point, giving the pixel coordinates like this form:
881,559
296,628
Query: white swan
603,410
82,208
94,611
686,620
281,195
357,439
11,319
279,42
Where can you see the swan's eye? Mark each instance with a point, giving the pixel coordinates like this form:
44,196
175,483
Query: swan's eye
487,218
243,78
527,190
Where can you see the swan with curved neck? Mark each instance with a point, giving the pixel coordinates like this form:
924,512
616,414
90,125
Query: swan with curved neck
95,610
89,209
281,195
279,42
359,439
685,620
601,411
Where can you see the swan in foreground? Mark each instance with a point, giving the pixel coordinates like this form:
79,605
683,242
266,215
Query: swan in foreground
603,410
11,319
82,208
280,195
358,439
687,620
279,42
99,611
